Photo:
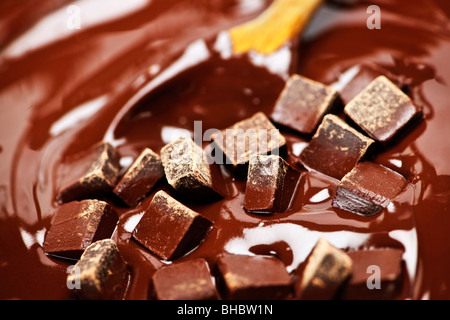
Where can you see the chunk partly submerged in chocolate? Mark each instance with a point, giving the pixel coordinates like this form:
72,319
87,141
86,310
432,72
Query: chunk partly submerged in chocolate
91,174
77,224
326,269
303,103
187,280
253,277
335,148
140,178
376,274
169,229
382,110
101,273
271,183
255,135
187,169
368,188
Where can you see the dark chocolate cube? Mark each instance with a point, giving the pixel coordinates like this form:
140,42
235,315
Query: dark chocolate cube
376,274
361,76
253,277
101,273
271,183
75,225
368,188
91,174
335,148
327,268
253,136
169,229
382,110
187,169
140,178
303,103
188,280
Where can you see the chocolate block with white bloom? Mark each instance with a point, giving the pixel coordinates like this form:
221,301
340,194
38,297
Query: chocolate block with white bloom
140,178
252,136
91,174
326,270
382,110
77,224
368,189
187,280
303,103
187,169
101,273
253,277
271,183
169,229
335,148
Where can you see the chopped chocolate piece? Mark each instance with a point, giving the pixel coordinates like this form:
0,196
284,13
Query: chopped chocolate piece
335,148
255,135
368,188
362,76
271,183
186,168
169,229
90,174
140,178
77,224
382,110
101,273
326,269
376,274
253,277
188,280
303,103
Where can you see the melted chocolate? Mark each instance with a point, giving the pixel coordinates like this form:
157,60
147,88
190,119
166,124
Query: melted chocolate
119,81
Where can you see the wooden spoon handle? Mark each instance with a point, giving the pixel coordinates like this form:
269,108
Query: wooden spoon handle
279,23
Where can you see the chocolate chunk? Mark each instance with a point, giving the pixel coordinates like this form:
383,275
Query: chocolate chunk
335,148
77,224
253,277
140,178
101,273
187,170
303,103
326,269
91,174
169,229
382,110
188,280
368,188
271,183
255,135
361,76
376,274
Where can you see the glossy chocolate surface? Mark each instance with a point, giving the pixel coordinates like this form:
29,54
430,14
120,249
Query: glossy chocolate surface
119,79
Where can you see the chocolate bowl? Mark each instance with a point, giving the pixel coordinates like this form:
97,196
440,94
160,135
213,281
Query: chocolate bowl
142,74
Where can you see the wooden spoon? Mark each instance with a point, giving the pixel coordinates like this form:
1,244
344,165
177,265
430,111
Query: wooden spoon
269,31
